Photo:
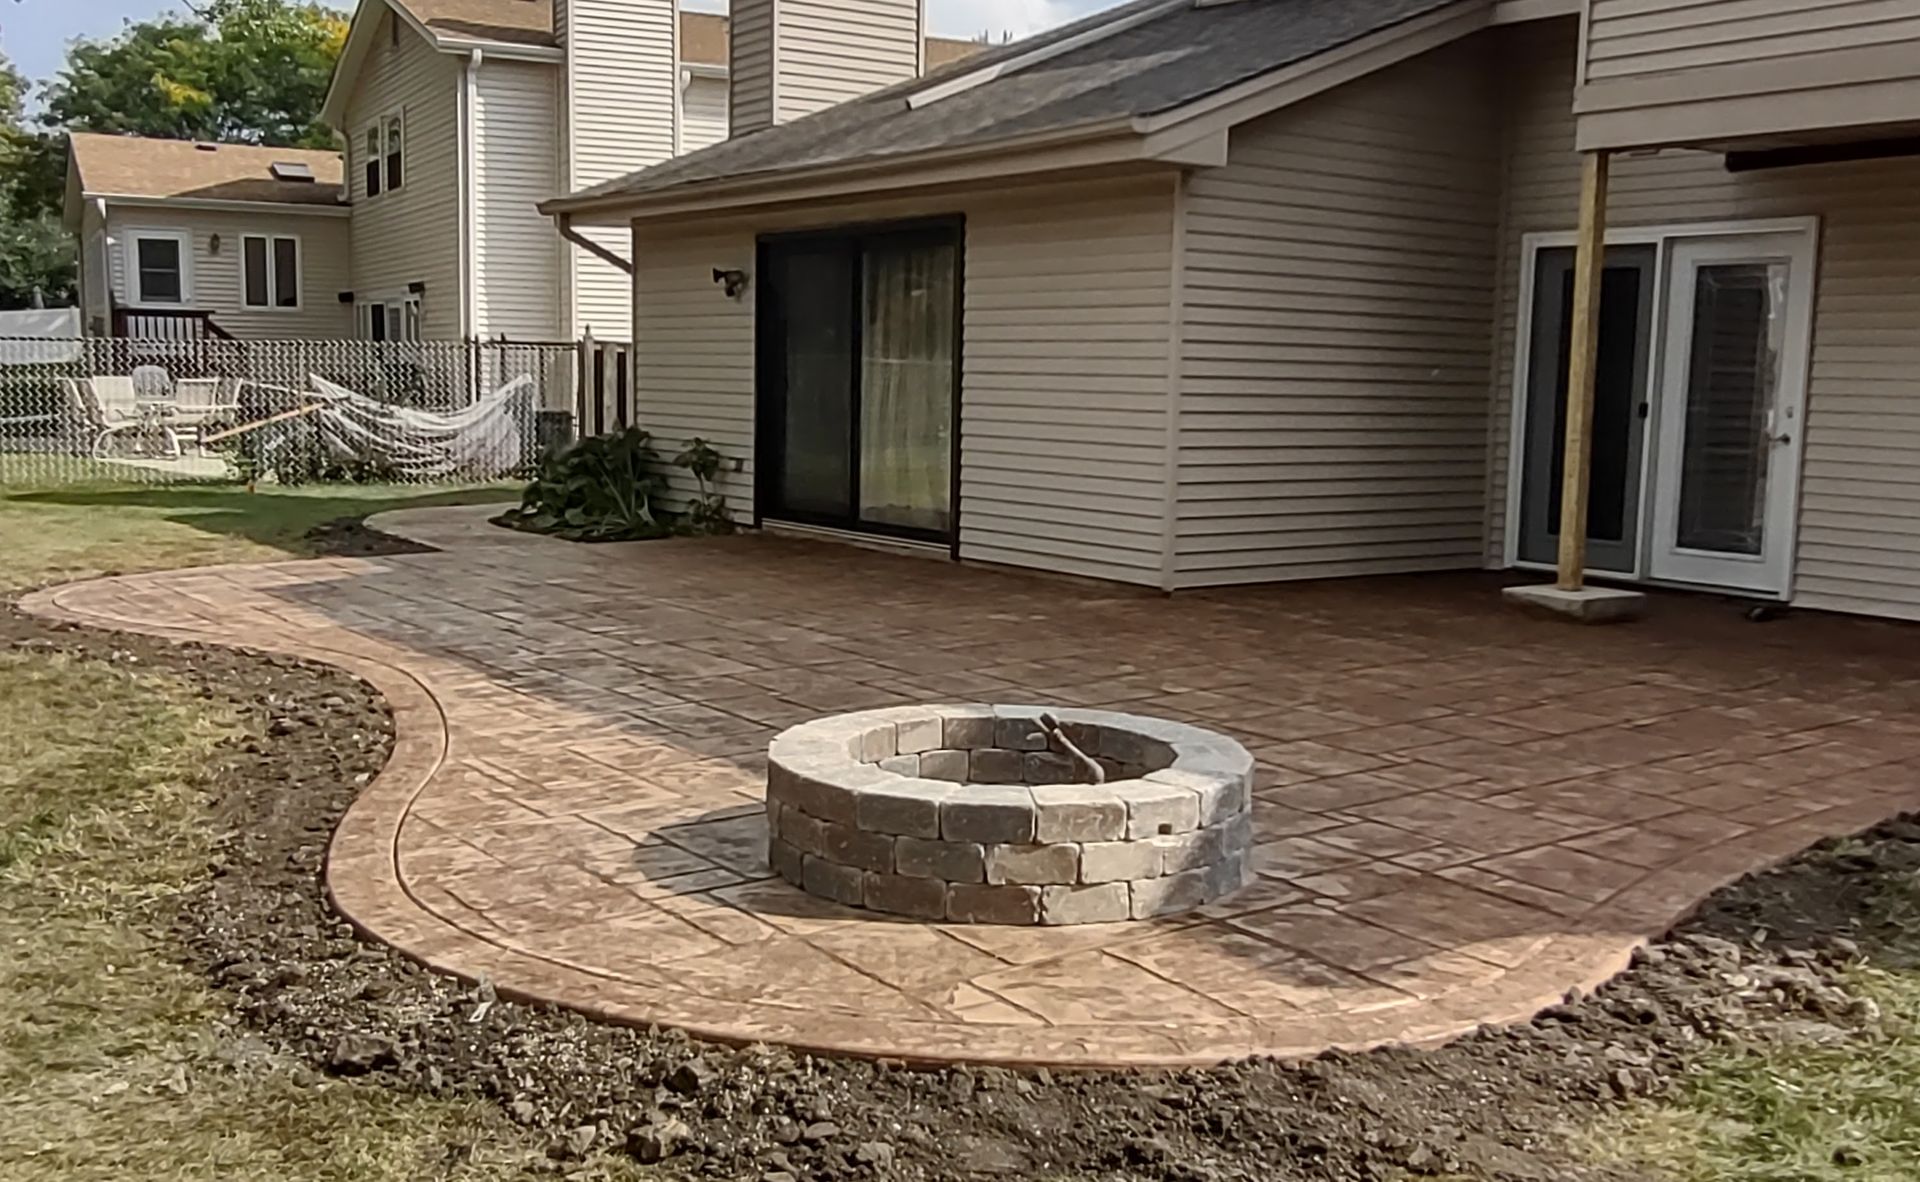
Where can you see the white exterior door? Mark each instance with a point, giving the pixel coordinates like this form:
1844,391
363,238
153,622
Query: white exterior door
1731,410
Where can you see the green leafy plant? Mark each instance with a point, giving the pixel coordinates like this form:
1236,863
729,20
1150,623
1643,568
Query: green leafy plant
708,514
598,489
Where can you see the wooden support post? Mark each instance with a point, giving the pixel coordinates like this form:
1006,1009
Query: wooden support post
1589,264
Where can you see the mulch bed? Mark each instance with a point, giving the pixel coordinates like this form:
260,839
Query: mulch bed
1762,959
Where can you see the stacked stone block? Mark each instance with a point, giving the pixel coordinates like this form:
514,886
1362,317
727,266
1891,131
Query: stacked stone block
964,814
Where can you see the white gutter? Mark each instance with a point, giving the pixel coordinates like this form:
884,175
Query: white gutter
216,205
469,197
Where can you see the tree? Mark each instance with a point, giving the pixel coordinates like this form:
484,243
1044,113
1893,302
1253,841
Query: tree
244,71
35,254
234,71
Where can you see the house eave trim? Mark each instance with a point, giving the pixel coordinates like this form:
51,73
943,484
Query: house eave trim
1113,141
209,204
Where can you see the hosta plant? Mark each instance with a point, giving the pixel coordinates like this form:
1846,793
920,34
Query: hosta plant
597,489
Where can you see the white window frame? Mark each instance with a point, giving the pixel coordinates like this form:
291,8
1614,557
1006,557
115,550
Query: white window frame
401,312
387,152
273,303
380,130
136,297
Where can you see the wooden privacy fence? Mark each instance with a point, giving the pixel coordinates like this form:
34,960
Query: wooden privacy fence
606,387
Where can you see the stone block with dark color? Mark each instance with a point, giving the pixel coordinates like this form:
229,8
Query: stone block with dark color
951,861
993,904
922,898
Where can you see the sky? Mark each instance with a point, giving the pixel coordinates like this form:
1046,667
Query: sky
35,33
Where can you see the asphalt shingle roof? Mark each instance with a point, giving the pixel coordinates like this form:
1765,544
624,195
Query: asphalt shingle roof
1169,60
128,166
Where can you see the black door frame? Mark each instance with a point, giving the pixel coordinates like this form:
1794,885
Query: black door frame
769,397
1542,388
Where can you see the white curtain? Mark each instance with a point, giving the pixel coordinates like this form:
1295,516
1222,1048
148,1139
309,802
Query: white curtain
906,386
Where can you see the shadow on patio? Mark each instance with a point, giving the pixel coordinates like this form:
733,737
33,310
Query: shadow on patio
1462,811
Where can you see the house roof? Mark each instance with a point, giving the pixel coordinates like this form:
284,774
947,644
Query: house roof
703,35
126,166
1160,55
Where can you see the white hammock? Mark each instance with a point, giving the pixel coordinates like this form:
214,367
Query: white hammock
482,441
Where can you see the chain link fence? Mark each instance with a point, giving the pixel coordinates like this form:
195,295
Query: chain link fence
426,412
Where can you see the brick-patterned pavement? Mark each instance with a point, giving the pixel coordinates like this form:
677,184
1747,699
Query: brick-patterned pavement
1462,811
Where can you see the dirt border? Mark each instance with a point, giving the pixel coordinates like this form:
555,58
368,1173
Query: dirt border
1493,1105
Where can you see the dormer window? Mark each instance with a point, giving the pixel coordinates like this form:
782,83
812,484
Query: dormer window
373,161
393,152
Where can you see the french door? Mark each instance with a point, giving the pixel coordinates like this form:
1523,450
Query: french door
1699,407
1732,406
857,393
1620,407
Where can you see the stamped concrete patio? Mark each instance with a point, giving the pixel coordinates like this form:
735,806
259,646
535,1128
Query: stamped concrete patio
1462,812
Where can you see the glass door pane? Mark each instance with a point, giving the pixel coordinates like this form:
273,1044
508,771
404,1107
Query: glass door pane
1732,392
906,384
1618,433
1739,327
812,301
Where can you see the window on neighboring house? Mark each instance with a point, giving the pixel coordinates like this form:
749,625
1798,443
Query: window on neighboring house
373,161
271,270
394,153
160,267
392,319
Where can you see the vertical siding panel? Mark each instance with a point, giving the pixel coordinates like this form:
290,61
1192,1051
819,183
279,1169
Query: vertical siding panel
834,50
516,253
623,59
750,46
1337,319
412,235
703,106
1859,542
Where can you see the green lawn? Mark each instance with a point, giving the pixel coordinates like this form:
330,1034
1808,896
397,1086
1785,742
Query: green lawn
67,532
116,1062
1798,1106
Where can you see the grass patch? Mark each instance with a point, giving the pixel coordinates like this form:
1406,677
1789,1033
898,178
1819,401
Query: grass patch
116,1061
1796,1108
80,531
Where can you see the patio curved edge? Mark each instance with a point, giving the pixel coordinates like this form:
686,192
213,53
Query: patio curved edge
365,885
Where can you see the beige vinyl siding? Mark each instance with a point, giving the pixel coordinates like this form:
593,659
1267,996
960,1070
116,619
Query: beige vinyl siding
703,112
1859,541
1337,297
1712,71
516,252
1064,403
411,235
216,275
750,51
1633,37
834,50
624,75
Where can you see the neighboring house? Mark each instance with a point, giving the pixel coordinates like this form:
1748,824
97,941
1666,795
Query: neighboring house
1191,294
182,239
460,116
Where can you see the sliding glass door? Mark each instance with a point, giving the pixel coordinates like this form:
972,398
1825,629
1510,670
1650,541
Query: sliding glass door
858,343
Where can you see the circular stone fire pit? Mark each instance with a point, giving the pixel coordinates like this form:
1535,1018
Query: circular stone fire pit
977,814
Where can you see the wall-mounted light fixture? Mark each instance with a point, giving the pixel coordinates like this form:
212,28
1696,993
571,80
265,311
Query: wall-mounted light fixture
732,281
213,244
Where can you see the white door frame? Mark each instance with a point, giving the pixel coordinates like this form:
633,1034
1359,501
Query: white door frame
1770,572
1662,236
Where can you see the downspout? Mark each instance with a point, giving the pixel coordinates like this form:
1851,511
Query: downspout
564,222
469,198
